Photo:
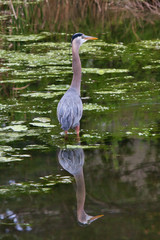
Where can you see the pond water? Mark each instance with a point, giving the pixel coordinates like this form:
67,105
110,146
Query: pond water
47,182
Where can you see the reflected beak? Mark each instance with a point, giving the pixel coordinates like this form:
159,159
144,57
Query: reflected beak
95,218
89,37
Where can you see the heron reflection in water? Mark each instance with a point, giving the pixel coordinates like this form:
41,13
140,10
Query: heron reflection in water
70,108
72,161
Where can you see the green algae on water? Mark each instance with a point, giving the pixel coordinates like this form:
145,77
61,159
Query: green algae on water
26,38
42,124
15,128
91,106
42,119
45,95
82,146
102,71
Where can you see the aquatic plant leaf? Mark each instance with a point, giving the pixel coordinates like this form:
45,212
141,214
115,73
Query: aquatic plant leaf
118,91
44,95
57,87
18,80
150,44
151,67
15,128
104,71
26,38
82,146
42,124
45,184
42,119
91,106
35,146
4,159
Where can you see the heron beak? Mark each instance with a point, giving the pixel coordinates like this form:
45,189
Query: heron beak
89,37
95,218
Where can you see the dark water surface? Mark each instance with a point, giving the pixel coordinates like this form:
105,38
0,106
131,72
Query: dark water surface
47,182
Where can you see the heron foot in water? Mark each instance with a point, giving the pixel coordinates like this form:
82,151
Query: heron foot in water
77,131
66,134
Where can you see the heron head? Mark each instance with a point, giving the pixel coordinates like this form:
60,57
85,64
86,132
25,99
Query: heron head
85,219
80,38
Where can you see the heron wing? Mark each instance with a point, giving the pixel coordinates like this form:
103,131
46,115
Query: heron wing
69,110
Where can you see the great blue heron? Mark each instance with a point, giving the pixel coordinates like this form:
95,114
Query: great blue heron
72,160
70,108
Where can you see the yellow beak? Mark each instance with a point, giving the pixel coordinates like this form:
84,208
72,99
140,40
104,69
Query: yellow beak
95,218
90,37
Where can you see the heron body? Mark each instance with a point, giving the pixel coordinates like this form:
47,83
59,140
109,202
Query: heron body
70,108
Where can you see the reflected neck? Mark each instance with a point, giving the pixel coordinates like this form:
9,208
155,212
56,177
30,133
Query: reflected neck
76,67
80,193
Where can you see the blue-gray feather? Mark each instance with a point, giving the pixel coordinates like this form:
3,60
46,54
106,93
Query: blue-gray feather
70,109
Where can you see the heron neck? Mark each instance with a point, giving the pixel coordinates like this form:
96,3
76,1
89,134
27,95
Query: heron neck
76,66
80,193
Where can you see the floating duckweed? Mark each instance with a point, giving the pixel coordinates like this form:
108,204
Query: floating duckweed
6,149
17,122
2,53
150,44
27,38
44,95
48,62
118,91
15,128
82,146
91,106
4,191
128,77
35,146
42,119
45,184
42,124
91,136
151,67
2,70
18,80
155,61
57,87
128,133
102,43
101,71
3,106
9,159
49,45
22,155
16,135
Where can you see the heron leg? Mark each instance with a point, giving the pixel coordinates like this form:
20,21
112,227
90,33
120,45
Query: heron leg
77,131
66,132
